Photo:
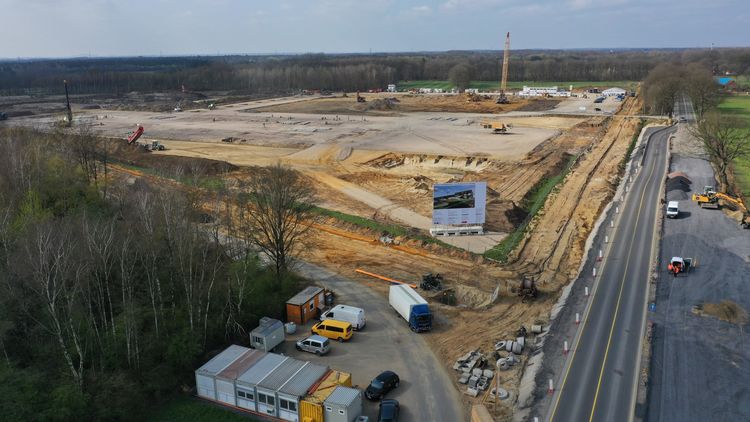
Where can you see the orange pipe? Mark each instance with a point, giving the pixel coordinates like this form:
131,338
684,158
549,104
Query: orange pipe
413,286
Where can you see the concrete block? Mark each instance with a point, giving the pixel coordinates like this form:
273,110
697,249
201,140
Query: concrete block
489,373
472,392
463,379
476,372
473,382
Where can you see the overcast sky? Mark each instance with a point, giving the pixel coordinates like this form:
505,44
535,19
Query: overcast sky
62,28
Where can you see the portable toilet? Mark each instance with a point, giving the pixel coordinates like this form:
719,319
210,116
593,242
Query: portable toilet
268,334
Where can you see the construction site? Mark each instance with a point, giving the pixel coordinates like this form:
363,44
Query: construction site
376,156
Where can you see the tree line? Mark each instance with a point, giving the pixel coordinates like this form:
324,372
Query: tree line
112,293
281,74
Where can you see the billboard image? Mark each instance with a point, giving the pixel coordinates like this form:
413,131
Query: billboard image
459,203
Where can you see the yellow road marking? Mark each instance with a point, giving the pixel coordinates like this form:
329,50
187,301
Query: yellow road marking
617,307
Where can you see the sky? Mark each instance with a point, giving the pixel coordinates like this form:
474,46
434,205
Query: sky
65,28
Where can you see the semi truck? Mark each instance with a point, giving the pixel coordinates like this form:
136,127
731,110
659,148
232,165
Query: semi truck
411,306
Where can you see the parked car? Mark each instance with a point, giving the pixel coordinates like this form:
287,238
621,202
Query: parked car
314,344
336,330
388,411
381,385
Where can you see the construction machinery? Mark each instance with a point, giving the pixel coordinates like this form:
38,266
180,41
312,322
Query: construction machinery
178,108
680,265
133,136
69,116
497,127
3,116
528,289
360,99
154,146
431,282
504,78
710,199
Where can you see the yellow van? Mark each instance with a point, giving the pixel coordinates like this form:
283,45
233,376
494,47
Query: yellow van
335,330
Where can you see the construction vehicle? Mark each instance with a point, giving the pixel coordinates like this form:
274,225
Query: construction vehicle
497,127
69,116
710,199
154,146
360,99
431,282
211,106
133,136
3,116
680,265
411,306
178,108
504,78
528,289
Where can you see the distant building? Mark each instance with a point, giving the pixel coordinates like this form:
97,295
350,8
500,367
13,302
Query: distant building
552,91
727,82
614,92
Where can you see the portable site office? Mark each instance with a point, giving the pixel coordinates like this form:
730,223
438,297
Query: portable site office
305,305
291,393
247,382
343,405
226,380
279,393
268,334
205,376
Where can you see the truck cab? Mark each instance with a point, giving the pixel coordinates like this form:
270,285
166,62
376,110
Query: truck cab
420,318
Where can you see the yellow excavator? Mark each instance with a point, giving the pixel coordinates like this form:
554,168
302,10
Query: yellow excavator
710,199
497,127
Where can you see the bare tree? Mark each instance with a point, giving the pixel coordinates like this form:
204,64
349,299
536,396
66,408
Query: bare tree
701,88
277,211
725,139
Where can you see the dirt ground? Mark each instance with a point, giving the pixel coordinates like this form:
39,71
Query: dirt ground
383,167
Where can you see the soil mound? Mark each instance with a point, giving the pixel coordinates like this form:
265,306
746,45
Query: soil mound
726,310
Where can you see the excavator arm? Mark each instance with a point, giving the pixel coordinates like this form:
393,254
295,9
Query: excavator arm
733,200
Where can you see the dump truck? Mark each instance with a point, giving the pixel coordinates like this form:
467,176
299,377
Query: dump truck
411,306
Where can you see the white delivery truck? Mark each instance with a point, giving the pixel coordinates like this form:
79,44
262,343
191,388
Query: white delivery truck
411,306
350,314
673,209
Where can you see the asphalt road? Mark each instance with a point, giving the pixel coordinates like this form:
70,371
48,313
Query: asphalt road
700,366
426,392
600,381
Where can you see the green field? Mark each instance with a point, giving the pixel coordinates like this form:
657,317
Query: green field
739,107
493,85
187,409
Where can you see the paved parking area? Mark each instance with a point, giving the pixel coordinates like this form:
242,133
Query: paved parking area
700,366
426,392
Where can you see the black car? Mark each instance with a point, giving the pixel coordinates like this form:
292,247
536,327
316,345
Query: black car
381,385
388,411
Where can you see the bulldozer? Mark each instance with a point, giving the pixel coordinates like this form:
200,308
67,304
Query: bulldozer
710,199
497,127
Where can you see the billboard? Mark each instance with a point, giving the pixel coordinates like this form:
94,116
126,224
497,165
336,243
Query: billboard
458,203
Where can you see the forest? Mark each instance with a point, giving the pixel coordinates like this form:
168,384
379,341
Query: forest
112,292
284,74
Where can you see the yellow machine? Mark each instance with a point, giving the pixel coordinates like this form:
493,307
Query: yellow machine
710,199
497,127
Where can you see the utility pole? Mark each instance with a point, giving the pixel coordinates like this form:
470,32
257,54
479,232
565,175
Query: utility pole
67,103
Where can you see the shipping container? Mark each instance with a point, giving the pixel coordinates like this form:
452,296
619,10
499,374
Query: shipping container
226,380
268,334
343,405
246,383
311,407
305,305
291,393
205,376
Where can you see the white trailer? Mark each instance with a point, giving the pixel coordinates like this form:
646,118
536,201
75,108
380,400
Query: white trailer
411,306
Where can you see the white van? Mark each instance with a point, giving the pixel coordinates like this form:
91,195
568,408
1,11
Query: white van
350,314
673,209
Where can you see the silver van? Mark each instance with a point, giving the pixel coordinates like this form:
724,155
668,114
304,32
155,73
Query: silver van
314,344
